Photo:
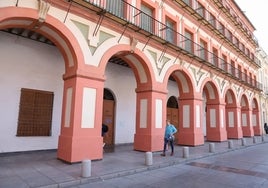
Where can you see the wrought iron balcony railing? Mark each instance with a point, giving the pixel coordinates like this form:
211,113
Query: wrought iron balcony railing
202,14
138,20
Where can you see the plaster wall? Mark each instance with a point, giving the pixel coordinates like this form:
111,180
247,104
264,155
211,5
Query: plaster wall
27,64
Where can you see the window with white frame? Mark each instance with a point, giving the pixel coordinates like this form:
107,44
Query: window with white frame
188,41
147,18
170,33
203,50
115,7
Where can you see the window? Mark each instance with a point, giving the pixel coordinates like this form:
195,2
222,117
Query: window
212,20
203,50
244,75
215,57
232,68
147,18
252,56
116,7
170,34
240,72
242,47
224,63
250,79
254,82
201,10
188,42
228,34
35,113
188,2
221,28
247,52
236,41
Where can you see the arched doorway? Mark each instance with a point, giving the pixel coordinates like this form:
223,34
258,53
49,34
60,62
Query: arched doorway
33,88
108,118
128,75
179,84
245,117
27,23
232,116
213,111
173,113
204,114
255,118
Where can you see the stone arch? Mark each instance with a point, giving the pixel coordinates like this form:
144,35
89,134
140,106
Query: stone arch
246,112
211,90
230,97
54,30
244,102
256,122
148,93
76,83
51,28
183,80
213,112
255,104
139,63
189,107
232,115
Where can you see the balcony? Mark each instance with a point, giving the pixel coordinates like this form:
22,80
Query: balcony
137,20
203,15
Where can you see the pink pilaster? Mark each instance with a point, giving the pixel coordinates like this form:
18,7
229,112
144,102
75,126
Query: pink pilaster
216,130
256,122
80,136
190,129
246,123
150,124
233,123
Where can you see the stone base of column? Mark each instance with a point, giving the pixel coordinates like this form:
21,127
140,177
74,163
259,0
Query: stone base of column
77,149
234,133
190,139
216,135
248,131
148,142
257,130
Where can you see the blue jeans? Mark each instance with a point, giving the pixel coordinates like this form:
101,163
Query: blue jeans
166,141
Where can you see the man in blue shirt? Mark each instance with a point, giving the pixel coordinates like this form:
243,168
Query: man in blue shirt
169,137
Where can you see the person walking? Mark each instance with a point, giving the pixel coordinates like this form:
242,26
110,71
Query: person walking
104,130
266,128
169,138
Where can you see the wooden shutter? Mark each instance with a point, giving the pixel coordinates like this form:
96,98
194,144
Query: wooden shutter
35,113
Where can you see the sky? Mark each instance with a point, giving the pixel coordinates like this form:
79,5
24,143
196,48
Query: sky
257,12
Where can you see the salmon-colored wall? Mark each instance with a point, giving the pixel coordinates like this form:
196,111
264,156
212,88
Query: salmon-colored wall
193,134
234,132
151,137
77,143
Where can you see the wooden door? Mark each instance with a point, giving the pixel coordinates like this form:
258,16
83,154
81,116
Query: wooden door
173,116
108,119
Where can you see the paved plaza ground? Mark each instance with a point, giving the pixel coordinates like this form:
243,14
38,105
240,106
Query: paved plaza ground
233,163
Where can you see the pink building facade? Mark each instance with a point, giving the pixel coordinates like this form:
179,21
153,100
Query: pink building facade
205,48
